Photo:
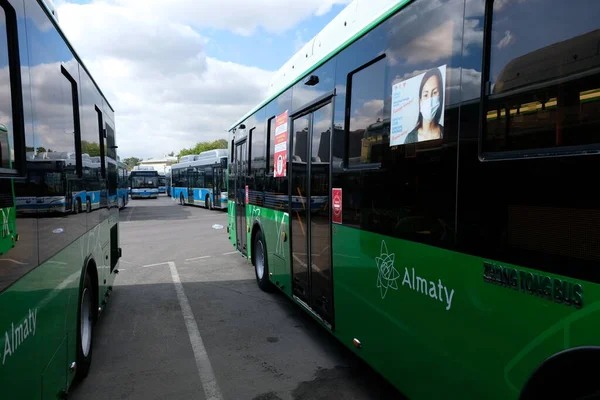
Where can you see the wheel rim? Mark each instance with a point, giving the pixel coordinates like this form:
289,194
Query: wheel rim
260,259
86,322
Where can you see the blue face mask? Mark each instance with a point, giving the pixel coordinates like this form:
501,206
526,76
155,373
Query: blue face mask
429,107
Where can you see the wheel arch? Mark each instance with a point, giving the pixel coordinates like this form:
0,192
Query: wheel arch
564,371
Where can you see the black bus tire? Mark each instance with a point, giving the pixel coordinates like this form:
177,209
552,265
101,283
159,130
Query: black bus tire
261,264
85,327
77,209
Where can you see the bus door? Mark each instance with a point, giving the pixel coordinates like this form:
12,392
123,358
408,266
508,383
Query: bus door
191,175
241,165
216,187
309,200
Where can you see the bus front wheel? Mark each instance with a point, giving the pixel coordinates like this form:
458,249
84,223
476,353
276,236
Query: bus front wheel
261,265
88,206
85,327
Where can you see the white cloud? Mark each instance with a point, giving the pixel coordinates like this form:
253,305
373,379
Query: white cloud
240,16
500,4
149,59
507,40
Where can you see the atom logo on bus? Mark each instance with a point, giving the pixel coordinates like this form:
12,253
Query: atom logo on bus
388,274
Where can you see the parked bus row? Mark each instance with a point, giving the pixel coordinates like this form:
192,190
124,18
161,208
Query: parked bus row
59,247
200,180
52,185
418,181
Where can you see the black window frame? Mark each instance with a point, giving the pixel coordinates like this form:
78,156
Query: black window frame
101,137
268,154
76,120
347,117
250,148
16,94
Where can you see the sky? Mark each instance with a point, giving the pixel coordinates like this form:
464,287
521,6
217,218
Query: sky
178,72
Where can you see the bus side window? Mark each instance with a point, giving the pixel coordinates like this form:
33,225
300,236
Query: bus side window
368,131
542,96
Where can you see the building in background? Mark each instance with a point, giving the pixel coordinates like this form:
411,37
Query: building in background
162,165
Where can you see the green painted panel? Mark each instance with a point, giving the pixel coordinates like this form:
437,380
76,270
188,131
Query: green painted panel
423,315
54,377
38,315
275,227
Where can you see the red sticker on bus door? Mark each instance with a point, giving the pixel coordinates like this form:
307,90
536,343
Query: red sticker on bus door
336,195
247,201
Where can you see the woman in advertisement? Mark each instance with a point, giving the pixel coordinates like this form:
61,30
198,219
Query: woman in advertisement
431,106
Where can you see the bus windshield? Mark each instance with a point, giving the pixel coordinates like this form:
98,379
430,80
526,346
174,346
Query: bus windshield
144,182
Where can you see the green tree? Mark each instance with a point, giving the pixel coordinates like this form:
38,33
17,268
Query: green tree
204,146
41,149
93,149
132,162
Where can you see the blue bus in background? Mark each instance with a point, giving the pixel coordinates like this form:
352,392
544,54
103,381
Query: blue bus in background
144,182
162,183
200,179
52,185
94,182
122,185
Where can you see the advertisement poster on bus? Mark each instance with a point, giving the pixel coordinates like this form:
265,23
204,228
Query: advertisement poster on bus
417,112
281,139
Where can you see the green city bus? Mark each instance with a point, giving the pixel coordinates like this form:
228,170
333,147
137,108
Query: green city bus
56,275
417,180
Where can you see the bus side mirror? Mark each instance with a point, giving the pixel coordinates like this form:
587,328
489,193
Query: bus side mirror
224,162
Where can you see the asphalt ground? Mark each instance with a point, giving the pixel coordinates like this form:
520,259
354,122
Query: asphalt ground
186,320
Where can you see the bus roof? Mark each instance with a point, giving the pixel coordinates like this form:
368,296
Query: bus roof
209,157
359,17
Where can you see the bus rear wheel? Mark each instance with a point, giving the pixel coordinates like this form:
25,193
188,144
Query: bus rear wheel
261,265
85,328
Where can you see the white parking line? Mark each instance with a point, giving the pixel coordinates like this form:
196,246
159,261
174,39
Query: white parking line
154,265
205,371
197,258
230,252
